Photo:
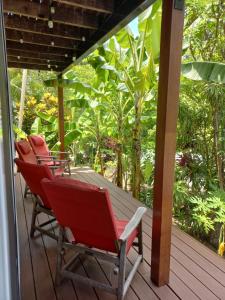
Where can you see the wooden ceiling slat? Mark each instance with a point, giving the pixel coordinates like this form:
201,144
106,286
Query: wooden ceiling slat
95,5
79,26
38,39
39,48
38,55
33,66
35,61
63,14
40,26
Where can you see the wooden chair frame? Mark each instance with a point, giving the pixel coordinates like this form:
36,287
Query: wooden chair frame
119,260
37,209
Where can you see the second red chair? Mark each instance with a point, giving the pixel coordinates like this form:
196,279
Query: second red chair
42,151
33,174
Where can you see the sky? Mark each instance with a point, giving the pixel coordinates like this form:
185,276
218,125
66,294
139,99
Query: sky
134,26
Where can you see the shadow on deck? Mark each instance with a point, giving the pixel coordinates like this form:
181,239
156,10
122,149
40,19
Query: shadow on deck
196,272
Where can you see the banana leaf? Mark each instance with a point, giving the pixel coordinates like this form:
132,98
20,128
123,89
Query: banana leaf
205,71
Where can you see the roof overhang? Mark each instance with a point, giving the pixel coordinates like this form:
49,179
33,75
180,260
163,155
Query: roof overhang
79,27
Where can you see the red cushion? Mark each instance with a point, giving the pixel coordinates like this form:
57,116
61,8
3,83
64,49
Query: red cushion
78,183
24,147
33,174
85,209
120,225
37,140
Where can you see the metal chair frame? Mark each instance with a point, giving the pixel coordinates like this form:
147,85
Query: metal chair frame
64,163
118,259
37,209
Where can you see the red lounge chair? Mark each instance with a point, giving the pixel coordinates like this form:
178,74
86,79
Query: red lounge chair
33,174
27,154
87,212
41,150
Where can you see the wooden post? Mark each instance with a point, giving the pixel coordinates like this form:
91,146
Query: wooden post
169,78
61,116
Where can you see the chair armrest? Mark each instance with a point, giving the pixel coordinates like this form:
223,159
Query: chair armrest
59,152
46,156
133,223
62,160
44,159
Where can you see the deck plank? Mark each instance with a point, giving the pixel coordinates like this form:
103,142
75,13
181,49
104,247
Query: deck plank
41,271
196,271
66,291
28,290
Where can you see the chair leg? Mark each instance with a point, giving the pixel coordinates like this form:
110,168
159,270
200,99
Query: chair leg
69,169
25,191
33,220
122,268
140,241
60,253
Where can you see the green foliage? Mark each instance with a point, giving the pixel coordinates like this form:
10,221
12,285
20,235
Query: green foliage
206,71
198,214
110,103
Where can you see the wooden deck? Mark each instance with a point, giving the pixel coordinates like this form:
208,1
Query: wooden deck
196,272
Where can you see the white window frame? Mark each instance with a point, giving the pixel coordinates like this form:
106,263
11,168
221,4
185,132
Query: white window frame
9,258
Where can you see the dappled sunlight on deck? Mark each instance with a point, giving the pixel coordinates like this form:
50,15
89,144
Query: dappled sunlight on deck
196,272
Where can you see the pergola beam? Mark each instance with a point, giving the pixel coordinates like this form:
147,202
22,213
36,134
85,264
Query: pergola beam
35,61
39,39
63,14
97,5
39,56
169,79
39,48
23,24
33,66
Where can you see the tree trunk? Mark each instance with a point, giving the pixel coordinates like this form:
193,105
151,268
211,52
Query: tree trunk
119,175
22,98
136,172
218,158
98,156
100,161
119,172
125,181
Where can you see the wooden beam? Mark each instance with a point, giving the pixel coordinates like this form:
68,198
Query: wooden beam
24,24
97,5
35,61
39,39
37,55
124,12
61,117
63,14
33,66
169,78
39,48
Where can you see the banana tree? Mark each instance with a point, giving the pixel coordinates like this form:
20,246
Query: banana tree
213,74
134,60
117,102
